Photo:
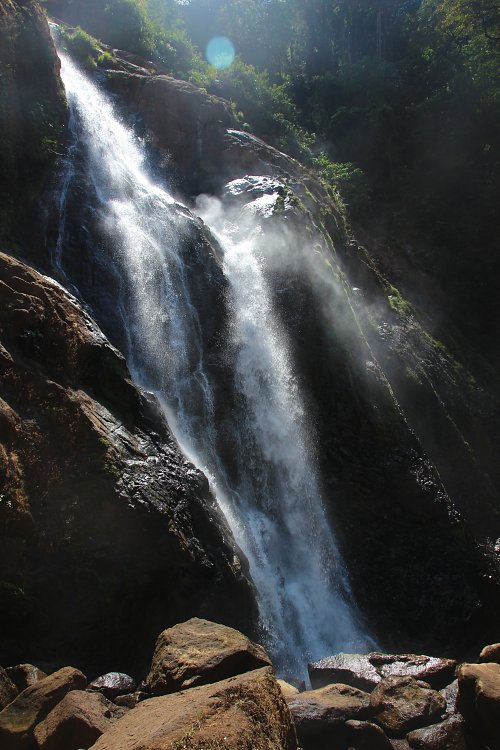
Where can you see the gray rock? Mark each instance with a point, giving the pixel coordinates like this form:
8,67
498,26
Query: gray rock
113,684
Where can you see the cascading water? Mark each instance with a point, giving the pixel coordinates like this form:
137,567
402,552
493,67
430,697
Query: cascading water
268,486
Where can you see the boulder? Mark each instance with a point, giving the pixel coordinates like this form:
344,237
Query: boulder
77,721
319,715
198,652
18,720
131,699
479,699
25,675
365,671
8,689
247,711
288,689
490,654
113,684
449,735
363,735
450,694
401,704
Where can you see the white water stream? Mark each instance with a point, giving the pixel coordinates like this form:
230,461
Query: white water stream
272,500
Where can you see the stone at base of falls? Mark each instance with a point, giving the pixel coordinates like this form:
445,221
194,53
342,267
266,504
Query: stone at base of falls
198,652
113,684
288,689
31,706
77,721
25,675
363,735
239,713
365,671
401,704
479,700
490,654
320,715
8,689
449,735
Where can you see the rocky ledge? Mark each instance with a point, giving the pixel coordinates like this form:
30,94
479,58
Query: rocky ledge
223,694
107,532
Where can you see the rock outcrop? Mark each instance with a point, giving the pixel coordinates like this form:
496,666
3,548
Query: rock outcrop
33,114
107,532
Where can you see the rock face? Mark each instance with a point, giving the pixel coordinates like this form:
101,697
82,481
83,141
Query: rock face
18,720
238,714
400,704
365,671
77,721
479,699
32,113
198,652
94,486
320,715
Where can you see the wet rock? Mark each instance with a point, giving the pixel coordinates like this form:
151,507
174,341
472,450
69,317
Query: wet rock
77,721
450,694
18,720
401,704
365,671
319,715
490,654
479,699
363,735
449,735
113,684
92,474
8,689
198,652
25,675
242,712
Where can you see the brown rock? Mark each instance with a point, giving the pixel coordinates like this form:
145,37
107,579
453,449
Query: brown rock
25,675
8,690
365,671
242,712
363,735
490,654
132,699
479,699
287,689
112,684
449,735
18,720
77,721
319,715
401,704
198,652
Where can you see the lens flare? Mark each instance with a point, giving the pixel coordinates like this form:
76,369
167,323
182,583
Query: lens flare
220,52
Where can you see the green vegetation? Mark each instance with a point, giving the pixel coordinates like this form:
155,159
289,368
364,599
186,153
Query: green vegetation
395,104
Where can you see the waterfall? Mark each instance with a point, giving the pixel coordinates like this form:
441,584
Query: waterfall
265,480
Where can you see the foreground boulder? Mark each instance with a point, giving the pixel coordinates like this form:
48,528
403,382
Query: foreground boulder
363,735
198,652
320,715
479,699
365,671
401,704
240,713
77,721
18,720
449,735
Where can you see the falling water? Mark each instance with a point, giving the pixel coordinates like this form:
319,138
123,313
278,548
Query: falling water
268,488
